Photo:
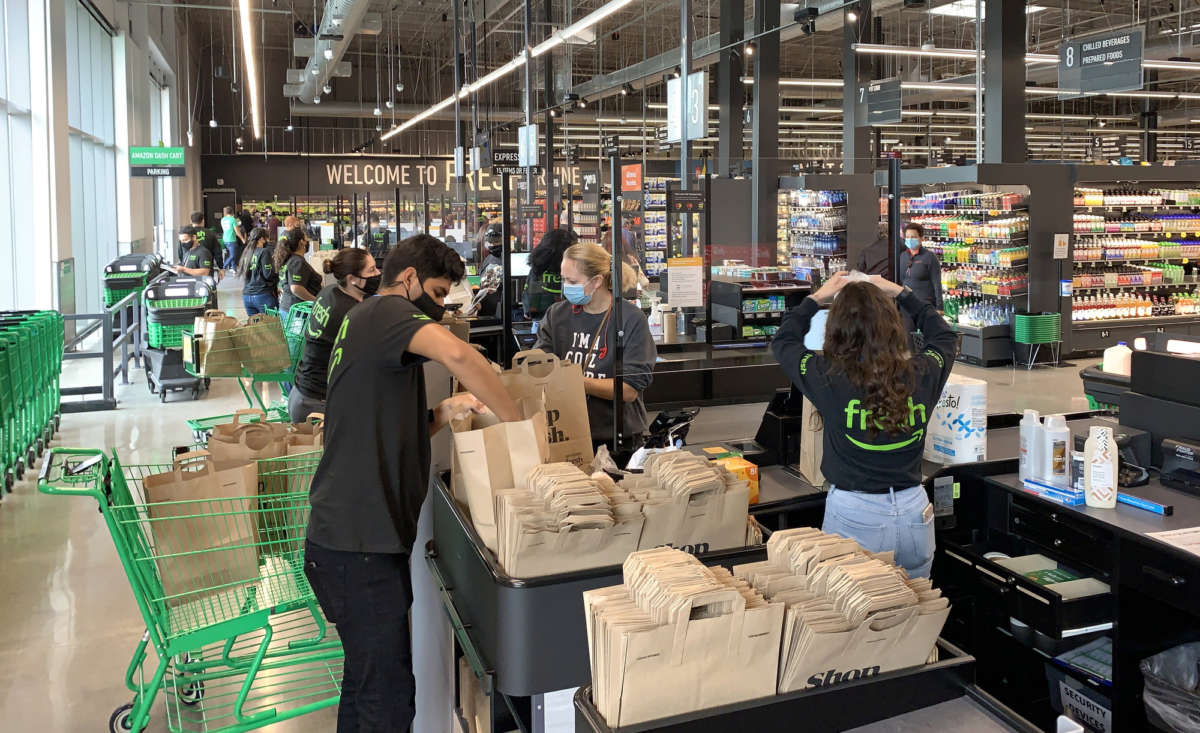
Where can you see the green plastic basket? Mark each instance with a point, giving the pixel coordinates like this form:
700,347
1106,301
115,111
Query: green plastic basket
162,336
1094,404
112,296
173,303
1044,328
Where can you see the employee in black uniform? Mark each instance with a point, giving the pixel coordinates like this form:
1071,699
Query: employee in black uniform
208,237
374,474
875,398
257,270
297,280
920,269
197,261
376,239
357,278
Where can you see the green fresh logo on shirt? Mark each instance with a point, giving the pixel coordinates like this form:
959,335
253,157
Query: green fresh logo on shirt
295,278
421,317
336,357
854,409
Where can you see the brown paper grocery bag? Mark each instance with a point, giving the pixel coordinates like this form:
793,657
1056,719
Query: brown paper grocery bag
239,442
491,456
202,528
307,436
539,375
219,355
812,447
263,346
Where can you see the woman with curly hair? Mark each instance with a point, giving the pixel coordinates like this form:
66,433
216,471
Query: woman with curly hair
875,399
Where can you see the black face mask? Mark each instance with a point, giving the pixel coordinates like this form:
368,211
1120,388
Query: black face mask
371,286
494,250
429,306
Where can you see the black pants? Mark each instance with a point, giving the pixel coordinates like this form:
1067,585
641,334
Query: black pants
367,596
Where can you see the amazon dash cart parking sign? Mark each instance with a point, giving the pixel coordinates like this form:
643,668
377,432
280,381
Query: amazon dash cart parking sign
1105,62
156,162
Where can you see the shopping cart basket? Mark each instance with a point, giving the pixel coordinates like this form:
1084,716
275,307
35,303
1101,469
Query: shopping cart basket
242,643
202,427
129,274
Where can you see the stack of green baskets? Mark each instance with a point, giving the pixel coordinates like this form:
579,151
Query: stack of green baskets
171,309
129,274
1041,328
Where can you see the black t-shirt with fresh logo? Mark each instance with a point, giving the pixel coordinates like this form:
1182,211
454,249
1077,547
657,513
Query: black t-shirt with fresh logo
211,240
198,258
261,278
297,272
374,473
328,311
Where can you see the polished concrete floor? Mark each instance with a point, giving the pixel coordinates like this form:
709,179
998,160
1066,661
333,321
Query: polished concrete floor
68,623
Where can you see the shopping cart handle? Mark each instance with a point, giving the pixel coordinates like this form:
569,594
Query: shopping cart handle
74,472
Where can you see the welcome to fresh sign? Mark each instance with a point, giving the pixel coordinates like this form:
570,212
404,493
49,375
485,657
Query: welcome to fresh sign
156,162
439,176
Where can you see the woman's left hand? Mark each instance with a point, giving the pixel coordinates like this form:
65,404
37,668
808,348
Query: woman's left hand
458,406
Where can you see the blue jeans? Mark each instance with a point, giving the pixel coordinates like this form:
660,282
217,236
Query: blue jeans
881,522
256,304
233,253
368,596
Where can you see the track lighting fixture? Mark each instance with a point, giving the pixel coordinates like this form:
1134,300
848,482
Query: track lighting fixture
750,49
627,89
377,112
212,123
399,86
328,53
327,89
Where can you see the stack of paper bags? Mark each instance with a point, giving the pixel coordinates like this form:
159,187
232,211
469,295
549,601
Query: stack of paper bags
564,521
690,503
850,613
677,637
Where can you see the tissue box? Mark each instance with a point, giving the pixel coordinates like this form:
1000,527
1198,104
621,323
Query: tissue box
957,429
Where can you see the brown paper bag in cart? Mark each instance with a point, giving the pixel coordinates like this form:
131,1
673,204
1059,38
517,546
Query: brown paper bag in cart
307,436
242,441
539,375
202,528
219,355
263,346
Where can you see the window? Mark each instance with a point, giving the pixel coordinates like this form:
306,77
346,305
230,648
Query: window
16,157
92,146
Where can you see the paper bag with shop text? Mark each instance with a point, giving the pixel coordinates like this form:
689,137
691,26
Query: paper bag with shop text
202,527
491,456
539,375
218,354
242,441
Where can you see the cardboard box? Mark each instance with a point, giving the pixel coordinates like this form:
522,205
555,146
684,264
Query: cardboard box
744,470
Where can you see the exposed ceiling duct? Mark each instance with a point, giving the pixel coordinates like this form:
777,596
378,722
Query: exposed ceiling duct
341,21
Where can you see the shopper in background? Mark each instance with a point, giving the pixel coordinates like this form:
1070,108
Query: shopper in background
877,256
376,239
357,278
374,474
197,261
258,273
247,221
493,248
577,330
920,269
231,235
545,272
272,224
875,399
297,280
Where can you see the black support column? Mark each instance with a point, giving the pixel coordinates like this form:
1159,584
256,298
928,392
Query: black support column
1149,141
856,71
552,191
765,146
731,92
1004,82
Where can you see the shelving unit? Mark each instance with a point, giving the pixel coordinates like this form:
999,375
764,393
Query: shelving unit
754,308
1133,262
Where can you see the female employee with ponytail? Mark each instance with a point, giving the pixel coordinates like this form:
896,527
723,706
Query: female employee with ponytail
259,274
577,329
357,277
297,280
875,399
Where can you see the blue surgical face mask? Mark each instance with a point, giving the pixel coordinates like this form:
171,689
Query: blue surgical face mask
912,243
576,294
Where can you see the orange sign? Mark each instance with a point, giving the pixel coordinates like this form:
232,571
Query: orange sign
631,177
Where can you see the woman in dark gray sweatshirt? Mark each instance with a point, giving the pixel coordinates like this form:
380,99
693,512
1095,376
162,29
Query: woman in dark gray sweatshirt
576,329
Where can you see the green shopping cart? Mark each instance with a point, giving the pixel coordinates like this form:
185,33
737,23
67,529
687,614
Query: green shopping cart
31,347
219,582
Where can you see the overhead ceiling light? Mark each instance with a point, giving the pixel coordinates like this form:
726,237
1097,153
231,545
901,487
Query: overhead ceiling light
289,128
316,70
582,103
751,48
378,127
328,54
317,99
389,104
966,9
626,89
553,112
677,72
336,20
189,138
327,89
399,86
1102,123
212,123
251,75
377,112
559,37
239,140
851,16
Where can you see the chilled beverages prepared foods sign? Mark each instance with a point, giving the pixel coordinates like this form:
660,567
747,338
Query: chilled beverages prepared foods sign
1105,62
155,162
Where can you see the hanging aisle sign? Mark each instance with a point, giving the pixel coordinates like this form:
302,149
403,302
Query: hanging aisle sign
697,107
1104,62
878,103
156,162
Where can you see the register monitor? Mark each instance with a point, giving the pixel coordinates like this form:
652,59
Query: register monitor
518,264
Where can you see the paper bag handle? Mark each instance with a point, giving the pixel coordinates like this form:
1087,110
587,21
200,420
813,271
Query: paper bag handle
177,465
237,416
316,418
214,312
522,360
737,615
884,620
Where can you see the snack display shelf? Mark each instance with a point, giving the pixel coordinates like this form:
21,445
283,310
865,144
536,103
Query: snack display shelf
1138,207
1015,239
1019,265
1152,286
1133,261
827,707
981,212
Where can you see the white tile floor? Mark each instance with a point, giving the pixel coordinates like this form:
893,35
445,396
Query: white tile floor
68,623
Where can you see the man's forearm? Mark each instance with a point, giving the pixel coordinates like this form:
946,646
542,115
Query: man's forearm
605,388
